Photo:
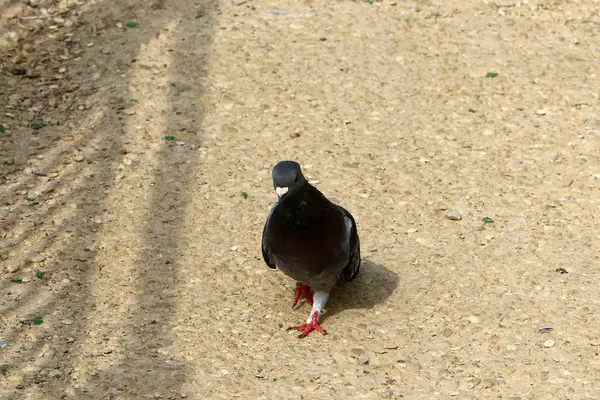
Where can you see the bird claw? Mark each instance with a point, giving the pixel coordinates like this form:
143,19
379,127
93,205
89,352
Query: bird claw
305,329
305,290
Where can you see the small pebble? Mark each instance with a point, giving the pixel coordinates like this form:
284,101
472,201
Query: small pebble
474,319
15,378
35,257
390,346
55,373
357,351
277,11
79,157
549,343
3,343
562,270
11,269
541,112
423,241
409,5
453,215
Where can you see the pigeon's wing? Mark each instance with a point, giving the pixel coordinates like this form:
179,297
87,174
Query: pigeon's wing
351,269
266,252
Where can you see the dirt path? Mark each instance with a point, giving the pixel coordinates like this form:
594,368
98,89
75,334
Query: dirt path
142,257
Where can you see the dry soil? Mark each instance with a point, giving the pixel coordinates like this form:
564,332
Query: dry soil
131,264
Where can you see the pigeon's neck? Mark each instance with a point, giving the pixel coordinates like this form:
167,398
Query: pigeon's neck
305,208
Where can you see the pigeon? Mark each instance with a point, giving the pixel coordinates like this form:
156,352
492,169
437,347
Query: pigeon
310,239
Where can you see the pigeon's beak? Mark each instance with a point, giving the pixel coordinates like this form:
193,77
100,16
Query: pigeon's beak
281,191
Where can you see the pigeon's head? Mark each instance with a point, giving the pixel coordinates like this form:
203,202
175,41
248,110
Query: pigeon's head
287,176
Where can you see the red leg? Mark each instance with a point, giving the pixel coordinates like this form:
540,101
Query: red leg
313,325
307,295
305,290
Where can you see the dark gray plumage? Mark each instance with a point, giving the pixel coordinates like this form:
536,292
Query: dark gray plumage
309,239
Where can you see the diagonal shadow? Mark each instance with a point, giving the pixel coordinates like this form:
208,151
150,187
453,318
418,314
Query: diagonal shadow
148,361
65,299
58,227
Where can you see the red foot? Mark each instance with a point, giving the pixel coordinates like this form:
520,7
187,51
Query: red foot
305,329
302,289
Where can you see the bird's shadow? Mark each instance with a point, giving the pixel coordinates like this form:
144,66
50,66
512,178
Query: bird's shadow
373,285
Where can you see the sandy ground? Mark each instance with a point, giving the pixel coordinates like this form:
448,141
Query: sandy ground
142,257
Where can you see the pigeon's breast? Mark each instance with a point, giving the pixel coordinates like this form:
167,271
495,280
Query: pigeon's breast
313,254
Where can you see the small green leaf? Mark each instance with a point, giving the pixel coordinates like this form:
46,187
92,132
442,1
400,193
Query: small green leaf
134,100
491,75
407,20
84,22
132,24
169,138
40,274
245,194
171,296
369,1
488,220
2,128
70,135
37,321
16,280
37,126
30,198
22,348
